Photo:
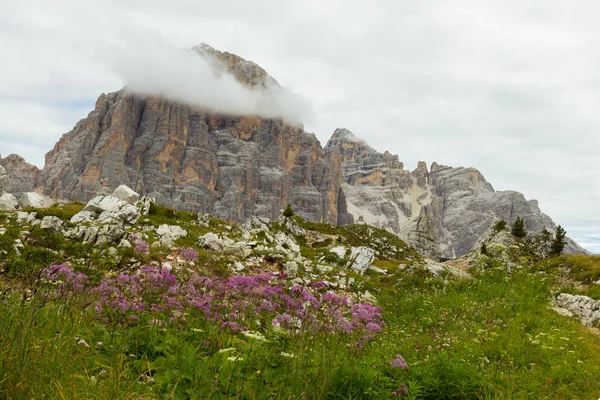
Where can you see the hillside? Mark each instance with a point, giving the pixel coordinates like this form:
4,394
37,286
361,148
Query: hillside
121,298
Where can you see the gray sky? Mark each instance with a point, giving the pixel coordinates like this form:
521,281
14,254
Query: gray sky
511,87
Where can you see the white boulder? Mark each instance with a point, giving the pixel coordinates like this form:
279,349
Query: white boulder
169,234
361,258
51,222
32,199
8,202
126,194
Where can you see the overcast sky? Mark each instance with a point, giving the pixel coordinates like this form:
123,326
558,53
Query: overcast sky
511,87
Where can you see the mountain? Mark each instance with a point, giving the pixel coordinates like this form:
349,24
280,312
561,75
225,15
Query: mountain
443,211
231,167
237,167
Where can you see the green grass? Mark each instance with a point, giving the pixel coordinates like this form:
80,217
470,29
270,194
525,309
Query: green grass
489,337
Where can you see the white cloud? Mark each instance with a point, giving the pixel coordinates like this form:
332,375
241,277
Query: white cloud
153,67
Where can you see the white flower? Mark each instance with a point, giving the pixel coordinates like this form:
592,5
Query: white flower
254,335
227,350
233,359
288,355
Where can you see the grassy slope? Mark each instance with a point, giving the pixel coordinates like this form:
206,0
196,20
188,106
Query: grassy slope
489,337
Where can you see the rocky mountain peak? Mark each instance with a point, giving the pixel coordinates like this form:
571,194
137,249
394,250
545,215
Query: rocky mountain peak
246,72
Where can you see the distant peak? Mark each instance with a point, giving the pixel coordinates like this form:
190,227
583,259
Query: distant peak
343,133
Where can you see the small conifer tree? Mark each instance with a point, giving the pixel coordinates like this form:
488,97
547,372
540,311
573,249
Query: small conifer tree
484,249
288,212
558,244
499,225
518,228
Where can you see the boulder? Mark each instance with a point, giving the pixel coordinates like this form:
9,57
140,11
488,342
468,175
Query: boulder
290,268
340,251
83,216
144,205
8,202
238,249
361,258
32,199
112,210
204,220
126,194
51,222
169,234
212,241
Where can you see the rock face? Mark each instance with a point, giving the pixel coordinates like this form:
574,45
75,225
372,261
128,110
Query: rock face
230,167
443,211
3,179
583,307
21,176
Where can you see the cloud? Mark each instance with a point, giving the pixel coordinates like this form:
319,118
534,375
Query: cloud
196,77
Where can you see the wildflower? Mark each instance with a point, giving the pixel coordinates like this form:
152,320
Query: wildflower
234,358
287,355
227,350
188,253
399,362
141,247
254,335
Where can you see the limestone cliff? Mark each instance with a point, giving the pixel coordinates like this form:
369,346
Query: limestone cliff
443,211
21,176
231,167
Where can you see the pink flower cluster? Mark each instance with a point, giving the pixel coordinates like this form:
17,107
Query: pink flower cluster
66,280
141,247
238,303
188,253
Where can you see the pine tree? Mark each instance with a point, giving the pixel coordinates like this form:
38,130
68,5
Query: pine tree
518,228
288,212
558,244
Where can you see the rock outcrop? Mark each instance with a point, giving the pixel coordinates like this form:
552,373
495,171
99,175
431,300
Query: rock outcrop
21,176
186,158
443,211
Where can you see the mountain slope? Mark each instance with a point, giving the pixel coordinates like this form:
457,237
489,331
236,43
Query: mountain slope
443,211
232,167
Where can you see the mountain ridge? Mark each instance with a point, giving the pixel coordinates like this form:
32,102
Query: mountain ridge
236,167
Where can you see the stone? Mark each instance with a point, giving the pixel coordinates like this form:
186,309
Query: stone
204,220
34,200
125,244
237,249
144,205
290,268
114,253
582,307
112,210
340,251
285,244
169,234
8,202
212,241
361,258
83,216
51,222
126,194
